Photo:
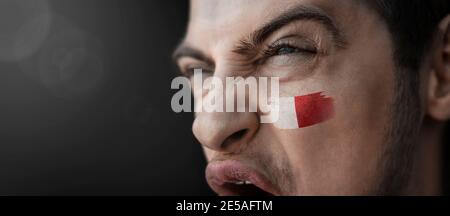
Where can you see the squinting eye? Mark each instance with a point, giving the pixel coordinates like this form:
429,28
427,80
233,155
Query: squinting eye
286,50
190,71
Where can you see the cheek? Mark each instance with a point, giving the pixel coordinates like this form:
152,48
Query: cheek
342,154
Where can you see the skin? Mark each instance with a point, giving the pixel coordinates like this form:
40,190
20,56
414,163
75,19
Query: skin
345,155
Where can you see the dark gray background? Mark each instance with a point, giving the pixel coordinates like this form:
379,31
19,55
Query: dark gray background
89,112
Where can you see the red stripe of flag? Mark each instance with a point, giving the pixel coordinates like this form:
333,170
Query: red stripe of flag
313,109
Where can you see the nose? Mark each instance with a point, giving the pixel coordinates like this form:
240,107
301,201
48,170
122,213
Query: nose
227,132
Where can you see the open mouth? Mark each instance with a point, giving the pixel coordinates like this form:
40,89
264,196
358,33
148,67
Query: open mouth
233,178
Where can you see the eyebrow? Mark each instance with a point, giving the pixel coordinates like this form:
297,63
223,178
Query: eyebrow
256,38
185,50
301,12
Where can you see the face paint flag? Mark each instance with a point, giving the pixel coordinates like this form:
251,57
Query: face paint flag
303,111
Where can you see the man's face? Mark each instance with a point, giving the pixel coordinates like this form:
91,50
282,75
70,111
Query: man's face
340,48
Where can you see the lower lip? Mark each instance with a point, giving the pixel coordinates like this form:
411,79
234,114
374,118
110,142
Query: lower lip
221,172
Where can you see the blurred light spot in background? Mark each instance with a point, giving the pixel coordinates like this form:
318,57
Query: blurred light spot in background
70,63
25,25
85,109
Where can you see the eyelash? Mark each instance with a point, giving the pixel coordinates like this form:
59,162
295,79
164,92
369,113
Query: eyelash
273,50
269,52
188,72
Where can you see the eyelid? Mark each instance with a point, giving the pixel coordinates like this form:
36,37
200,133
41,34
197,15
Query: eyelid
303,48
187,67
295,41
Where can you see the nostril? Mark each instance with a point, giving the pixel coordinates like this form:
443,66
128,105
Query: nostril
238,135
235,137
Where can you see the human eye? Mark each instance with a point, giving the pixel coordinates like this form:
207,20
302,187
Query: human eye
290,56
288,51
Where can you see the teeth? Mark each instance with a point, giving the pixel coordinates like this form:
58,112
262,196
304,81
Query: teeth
243,182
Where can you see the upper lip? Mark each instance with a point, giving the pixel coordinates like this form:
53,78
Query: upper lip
222,177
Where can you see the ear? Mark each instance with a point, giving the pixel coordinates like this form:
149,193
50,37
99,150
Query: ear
439,83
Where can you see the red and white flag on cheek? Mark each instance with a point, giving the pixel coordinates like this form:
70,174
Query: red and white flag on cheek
303,111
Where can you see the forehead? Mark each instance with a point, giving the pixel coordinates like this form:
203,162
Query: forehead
217,10
220,10
220,22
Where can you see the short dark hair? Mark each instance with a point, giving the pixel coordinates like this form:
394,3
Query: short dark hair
412,24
